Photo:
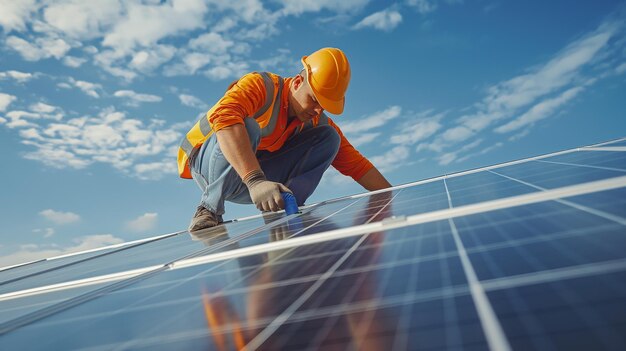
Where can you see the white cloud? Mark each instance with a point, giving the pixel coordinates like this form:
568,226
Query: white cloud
5,101
20,77
507,97
375,120
448,157
155,170
81,19
363,139
621,68
457,134
147,60
15,14
418,129
392,159
137,97
192,101
333,178
481,152
144,25
138,37
540,111
212,43
72,61
140,149
88,88
229,69
47,232
423,6
31,252
385,20
114,63
40,107
519,135
41,48
28,119
143,223
537,94
59,217
302,6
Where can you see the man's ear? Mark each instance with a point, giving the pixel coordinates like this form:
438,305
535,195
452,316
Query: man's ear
297,82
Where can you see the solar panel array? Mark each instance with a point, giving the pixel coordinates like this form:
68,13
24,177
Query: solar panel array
530,254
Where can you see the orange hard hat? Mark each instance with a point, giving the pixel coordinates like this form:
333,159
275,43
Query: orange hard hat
328,74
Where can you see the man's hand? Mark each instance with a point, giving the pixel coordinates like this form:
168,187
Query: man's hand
264,193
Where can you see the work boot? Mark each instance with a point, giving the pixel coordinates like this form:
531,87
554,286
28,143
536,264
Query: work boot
204,219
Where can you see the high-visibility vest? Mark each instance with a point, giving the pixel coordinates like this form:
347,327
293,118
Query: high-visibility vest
267,117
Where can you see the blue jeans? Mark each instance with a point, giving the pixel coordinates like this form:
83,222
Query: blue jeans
299,165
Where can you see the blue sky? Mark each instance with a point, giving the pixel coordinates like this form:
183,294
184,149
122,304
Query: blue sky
96,95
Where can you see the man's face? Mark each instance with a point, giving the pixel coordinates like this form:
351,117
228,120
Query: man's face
303,101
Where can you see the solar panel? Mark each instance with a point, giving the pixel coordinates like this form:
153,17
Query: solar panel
524,255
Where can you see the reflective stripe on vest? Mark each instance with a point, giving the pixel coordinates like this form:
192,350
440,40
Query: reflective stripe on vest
187,148
269,128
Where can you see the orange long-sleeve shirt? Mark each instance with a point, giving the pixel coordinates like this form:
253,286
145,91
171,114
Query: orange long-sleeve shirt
247,96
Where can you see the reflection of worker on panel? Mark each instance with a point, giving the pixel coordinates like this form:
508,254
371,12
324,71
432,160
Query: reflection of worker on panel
269,135
275,280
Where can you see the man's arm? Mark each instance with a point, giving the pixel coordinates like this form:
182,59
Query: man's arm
373,180
235,145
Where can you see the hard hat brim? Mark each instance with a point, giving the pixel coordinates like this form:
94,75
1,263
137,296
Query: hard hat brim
333,106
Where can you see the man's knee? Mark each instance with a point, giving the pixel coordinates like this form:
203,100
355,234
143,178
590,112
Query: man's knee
254,131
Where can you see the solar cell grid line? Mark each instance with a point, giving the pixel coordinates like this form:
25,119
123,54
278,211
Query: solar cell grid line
579,165
570,299
560,318
552,176
401,339
491,326
599,213
556,274
259,323
260,338
595,244
332,290
385,285
481,187
348,296
602,159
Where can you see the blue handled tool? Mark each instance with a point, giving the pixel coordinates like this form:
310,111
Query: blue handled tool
291,206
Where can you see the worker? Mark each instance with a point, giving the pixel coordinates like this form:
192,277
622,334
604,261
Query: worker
268,135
